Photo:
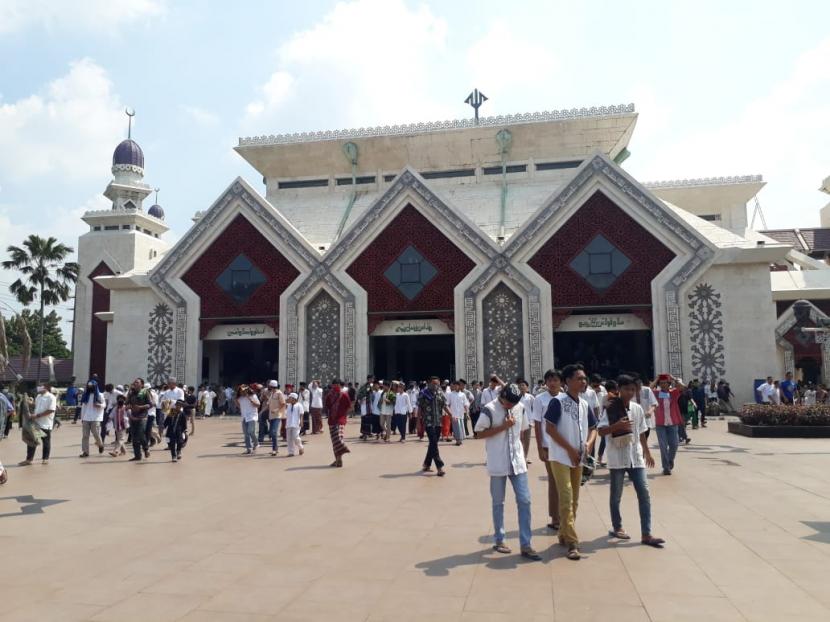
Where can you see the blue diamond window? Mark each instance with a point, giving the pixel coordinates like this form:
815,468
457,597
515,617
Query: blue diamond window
241,279
410,273
600,263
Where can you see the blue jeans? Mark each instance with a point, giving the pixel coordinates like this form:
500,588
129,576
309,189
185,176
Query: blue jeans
274,432
638,478
498,484
668,439
249,432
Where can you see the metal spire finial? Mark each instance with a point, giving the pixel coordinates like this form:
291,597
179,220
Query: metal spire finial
475,99
130,114
157,195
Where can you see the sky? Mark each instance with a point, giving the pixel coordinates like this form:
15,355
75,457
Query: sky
722,88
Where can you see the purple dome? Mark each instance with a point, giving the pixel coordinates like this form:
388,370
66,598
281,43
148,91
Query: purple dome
156,211
128,152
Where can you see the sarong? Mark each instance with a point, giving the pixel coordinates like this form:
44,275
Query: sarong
366,425
337,444
446,425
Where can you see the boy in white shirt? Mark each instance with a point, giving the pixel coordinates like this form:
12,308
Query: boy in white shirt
623,424
293,421
501,423
403,407
553,387
457,403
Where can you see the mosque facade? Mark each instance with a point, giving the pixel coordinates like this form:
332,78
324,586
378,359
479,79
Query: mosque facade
502,245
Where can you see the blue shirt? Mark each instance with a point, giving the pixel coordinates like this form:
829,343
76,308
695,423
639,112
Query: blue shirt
788,389
71,396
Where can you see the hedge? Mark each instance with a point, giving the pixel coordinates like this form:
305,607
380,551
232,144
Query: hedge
759,414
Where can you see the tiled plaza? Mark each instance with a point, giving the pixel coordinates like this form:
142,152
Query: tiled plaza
224,537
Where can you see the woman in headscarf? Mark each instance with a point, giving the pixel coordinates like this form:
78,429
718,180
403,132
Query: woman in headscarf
92,415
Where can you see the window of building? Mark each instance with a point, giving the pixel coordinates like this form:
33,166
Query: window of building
466,172
96,228
305,183
710,217
512,168
241,279
553,166
347,181
600,263
410,273
110,227
127,227
129,205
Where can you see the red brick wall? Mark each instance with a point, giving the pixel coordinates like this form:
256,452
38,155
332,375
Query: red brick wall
240,237
410,228
599,215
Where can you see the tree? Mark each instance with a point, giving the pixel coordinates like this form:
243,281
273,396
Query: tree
54,343
46,277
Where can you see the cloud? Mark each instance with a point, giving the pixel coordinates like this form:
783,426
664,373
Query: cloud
200,116
366,62
91,15
783,132
69,129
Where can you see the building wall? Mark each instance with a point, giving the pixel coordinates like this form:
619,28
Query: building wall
129,342
730,306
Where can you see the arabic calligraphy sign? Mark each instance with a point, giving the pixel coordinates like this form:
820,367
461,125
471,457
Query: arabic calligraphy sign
241,331
610,321
410,328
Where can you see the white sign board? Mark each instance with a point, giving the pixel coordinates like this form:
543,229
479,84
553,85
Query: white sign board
609,321
241,331
411,328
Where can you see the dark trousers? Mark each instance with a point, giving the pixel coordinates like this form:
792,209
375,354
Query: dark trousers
148,430
264,426
175,445
399,425
139,437
8,429
433,434
77,414
413,424
104,423
474,420
46,442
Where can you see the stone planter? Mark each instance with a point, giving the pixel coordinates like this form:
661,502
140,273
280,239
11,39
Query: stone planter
779,431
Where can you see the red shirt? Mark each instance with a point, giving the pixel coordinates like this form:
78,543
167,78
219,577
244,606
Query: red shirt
338,405
673,416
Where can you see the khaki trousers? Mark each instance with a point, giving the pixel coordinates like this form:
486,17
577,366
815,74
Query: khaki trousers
553,494
568,480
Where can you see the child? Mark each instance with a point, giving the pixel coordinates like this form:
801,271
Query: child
293,420
119,420
176,429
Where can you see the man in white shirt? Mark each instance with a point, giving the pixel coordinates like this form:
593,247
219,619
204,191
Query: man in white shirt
766,390
623,424
403,408
501,423
457,403
568,421
92,415
305,401
249,414
44,418
274,406
230,402
553,387
208,395
316,407
375,409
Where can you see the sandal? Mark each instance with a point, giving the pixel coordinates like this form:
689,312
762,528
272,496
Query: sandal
657,543
500,547
441,473
619,534
333,464
553,526
574,555
531,555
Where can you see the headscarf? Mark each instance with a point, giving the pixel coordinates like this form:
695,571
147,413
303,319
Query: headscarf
88,393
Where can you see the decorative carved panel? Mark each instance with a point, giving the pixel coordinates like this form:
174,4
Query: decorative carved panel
160,344
503,333
706,331
322,338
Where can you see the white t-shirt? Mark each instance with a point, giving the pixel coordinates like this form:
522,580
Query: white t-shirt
766,390
488,395
626,452
207,401
305,399
646,402
316,397
93,410
537,413
249,407
112,398
377,398
45,402
527,401
505,455
413,399
571,419
294,415
403,405
457,403
593,400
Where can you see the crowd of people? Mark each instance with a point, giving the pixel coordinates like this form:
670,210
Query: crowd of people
789,391
580,423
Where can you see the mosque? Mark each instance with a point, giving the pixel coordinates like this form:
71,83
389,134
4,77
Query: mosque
505,244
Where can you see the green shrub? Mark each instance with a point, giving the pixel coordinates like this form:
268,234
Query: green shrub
759,414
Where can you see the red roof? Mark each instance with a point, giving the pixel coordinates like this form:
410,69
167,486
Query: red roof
63,370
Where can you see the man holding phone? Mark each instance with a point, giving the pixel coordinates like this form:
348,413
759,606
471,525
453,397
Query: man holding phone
569,423
623,424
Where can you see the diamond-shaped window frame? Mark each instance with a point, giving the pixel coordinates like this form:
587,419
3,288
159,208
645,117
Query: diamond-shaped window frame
402,271
225,280
600,263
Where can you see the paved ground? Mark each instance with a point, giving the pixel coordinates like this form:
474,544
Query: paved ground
226,537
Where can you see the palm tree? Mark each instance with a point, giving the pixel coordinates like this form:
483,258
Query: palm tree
46,276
